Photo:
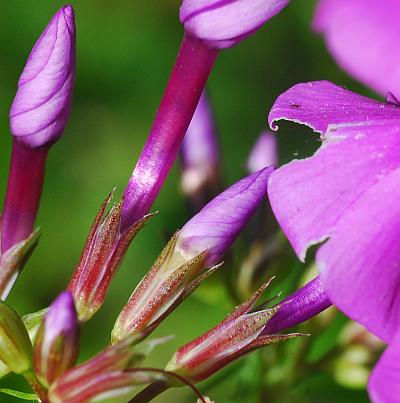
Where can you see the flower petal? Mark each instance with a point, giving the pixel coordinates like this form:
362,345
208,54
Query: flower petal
310,196
384,382
217,225
363,36
360,264
318,104
223,23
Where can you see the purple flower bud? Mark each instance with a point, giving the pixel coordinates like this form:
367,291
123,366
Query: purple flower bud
181,267
303,304
200,153
56,346
264,153
223,23
218,224
238,334
41,106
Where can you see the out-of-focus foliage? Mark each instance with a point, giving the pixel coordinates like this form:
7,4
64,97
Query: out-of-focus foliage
125,50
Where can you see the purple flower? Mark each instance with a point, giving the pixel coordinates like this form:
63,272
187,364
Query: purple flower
348,25
224,23
182,265
41,106
264,152
347,194
199,153
56,345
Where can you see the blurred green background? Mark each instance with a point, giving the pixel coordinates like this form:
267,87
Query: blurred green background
125,51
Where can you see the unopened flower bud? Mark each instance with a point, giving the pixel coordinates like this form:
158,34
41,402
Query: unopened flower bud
264,153
199,155
103,253
15,346
106,377
238,334
41,106
56,346
225,23
219,223
183,263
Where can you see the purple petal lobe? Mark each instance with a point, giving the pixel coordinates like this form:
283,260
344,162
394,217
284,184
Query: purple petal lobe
223,23
264,153
318,104
384,382
363,36
41,106
360,264
310,196
218,224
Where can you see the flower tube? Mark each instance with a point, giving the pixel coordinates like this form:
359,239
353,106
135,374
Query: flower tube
300,306
183,264
38,116
210,25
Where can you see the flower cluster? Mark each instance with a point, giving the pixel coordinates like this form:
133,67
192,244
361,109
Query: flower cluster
345,196
44,346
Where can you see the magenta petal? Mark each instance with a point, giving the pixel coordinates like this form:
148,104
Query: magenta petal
41,106
218,224
384,382
363,36
310,196
223,23
318,104
360,264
